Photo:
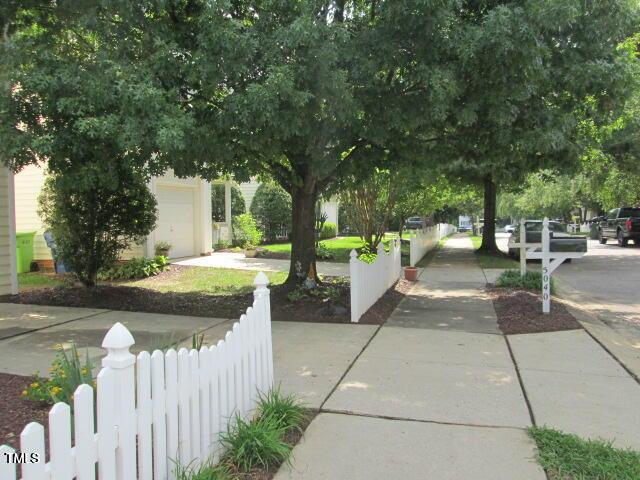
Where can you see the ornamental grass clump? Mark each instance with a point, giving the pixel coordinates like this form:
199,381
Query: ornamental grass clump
256,444
67,373
286,410
530,280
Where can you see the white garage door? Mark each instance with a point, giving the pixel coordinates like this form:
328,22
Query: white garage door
176,220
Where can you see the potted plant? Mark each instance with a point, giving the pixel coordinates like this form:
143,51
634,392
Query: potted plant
249,250
411,273
162,249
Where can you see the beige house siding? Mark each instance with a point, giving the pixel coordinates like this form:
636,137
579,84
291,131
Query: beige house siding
8,279
29,183
248,191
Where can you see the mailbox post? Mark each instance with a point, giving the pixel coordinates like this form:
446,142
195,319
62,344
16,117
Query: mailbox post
550,261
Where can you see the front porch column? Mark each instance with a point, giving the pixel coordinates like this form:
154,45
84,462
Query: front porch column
227,209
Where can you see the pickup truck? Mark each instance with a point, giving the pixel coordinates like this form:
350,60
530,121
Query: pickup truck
622,224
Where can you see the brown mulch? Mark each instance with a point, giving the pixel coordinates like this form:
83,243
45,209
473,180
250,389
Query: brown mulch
136,299
17,412
520,311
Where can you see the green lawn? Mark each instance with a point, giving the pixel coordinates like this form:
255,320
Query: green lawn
488,260
38,280
215,281
568,457
339,246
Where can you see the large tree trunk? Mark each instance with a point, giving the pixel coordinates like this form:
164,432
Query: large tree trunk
303,232
489,230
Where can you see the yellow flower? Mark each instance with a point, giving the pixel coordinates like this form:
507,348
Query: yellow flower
34,385
24,393
84,371
55,390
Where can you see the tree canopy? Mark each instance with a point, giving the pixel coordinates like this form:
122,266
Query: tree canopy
313,91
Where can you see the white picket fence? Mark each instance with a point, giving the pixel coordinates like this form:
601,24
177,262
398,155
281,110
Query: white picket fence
426,239
369,281
155,409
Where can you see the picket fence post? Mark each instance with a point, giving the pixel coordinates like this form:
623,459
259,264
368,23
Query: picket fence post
121,362
262,295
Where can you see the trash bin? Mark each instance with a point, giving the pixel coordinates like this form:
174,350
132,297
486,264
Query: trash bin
594,230
24,251
58,265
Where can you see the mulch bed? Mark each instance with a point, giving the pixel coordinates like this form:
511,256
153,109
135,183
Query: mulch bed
137,299
520,311
17,412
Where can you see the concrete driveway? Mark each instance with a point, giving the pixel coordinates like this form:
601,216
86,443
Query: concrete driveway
239,262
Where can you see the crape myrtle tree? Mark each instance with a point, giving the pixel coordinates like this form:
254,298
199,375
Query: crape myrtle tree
527,69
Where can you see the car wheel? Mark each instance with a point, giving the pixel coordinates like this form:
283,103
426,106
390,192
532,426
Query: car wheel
622,242
602,239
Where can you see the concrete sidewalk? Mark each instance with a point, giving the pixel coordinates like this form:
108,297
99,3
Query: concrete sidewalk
440,393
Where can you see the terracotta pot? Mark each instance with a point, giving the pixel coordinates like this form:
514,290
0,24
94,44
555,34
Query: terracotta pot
411,273
250,253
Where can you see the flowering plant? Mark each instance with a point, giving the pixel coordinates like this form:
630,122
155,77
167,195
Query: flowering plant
66,374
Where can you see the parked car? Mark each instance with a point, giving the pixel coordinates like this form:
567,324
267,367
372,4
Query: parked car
568,243
464,228
510,228
413,223
622,224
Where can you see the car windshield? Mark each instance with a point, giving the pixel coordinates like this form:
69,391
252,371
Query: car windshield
629,213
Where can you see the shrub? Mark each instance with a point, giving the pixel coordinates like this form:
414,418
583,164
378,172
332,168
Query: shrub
94,212
257,444
217,202
222,245
286,410
245,231
323,252
329,230
67,373
271,207
513,279
136,268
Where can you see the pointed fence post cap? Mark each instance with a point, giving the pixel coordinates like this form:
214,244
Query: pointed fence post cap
261,280
118,337
353,254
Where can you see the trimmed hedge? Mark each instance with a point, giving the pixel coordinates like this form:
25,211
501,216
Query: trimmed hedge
329,230
271,207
